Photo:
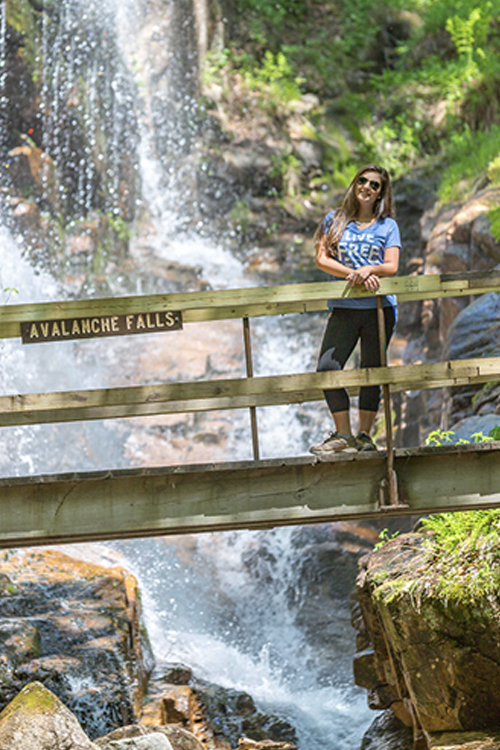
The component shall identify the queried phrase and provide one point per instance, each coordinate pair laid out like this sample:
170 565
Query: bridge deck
248 494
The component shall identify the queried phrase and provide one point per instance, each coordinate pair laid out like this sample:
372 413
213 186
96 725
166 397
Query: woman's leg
369 397
341 335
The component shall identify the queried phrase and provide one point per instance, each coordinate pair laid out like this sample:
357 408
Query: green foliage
437 12
8 291
465 555
441 437
494 217
470 156
468 33
404 101
215 62
119 226
274 77
394 144
265 21
384 537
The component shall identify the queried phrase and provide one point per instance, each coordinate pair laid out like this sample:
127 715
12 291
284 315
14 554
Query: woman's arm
325 262
370 275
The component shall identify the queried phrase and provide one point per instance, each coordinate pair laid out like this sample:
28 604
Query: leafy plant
468 33
465 553
469 156
494 217
275 77
384 537
440 437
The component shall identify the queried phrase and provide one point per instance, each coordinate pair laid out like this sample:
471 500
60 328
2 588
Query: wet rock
387 733
216 716
326 566
76 628
179 738
36 719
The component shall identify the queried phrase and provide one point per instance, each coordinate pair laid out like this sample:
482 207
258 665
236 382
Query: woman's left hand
372 283
360 275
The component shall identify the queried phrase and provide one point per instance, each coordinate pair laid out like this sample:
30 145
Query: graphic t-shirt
364 247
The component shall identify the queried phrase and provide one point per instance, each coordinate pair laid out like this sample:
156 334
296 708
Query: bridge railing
39 322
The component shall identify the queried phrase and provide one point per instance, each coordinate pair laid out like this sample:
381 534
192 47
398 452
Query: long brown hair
383 207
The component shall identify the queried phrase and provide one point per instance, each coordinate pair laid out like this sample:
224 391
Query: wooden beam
171 398
261 494
247 302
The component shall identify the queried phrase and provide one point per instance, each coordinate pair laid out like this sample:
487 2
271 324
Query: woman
359 242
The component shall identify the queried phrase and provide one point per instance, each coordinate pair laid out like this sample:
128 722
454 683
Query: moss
32 698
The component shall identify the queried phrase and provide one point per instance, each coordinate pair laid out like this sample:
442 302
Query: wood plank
261 494
247 302
38 408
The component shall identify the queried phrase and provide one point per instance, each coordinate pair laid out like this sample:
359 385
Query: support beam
261 494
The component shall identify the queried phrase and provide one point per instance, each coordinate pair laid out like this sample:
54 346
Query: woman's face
368 188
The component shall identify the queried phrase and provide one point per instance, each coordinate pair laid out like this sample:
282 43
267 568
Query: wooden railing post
249 365
389 488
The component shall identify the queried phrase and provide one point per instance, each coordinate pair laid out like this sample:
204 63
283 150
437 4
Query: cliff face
434 663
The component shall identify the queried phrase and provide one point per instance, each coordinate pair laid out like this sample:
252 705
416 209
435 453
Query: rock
464 741
36 719
154 741
75 627
216 716
435 660
387 733
179 738
470 425
247 744
476 331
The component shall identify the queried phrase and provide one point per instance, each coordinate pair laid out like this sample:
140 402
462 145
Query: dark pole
249 364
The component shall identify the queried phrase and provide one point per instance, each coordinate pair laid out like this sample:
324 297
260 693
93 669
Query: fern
469 33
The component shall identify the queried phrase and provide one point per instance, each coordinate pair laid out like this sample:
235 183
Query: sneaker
364 442
335 443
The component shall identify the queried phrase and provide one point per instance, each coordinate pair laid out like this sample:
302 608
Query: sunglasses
373 183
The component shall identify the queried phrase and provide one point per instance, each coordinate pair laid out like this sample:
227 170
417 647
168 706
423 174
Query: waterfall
119 108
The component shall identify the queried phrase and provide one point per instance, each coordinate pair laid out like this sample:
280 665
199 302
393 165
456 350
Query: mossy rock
36 719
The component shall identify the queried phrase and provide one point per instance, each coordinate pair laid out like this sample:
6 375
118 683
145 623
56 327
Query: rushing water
202 605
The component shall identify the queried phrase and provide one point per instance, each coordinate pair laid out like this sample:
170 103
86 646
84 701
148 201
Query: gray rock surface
153 741
37 720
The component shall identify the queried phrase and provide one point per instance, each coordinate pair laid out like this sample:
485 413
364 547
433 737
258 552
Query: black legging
345 326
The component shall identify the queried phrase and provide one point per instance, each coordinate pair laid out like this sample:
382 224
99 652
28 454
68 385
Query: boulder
217 717
178 737
387 732
153 741
435 663
75 627
36 719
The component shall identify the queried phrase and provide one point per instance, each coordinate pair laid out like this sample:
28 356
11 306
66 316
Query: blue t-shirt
364 247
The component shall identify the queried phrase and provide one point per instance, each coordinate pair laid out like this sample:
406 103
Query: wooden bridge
251 494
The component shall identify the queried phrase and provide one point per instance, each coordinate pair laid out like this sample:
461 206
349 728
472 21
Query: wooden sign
36 332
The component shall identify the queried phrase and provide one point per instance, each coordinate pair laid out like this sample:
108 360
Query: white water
202 608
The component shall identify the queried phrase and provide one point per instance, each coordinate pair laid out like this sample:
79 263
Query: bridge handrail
248 302
234 393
